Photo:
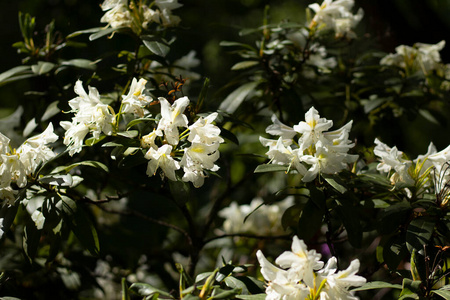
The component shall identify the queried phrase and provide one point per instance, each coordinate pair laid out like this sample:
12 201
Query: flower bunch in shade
255 218
419 59
336 15
302 275
17 165
317 150
194 150
120 13
407 173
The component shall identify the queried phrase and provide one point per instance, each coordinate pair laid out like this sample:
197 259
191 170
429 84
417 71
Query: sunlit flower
203 131
91 115
161 158
172 117
117 14
135 101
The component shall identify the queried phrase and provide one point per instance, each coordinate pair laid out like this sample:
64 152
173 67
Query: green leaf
144 289
234 100
8 214
229 136
129 133
252 297
57 180
443 293
393 217
271 168
14 71
253 285
236 44
84 230
310 220
52 110
336 182
138 121
90 30
224 294
349 215
181 191
31 239
419 233
409 289
89 163
157 48
42 67
80 63
394 251
102 32
92 140
377 285
428 116
244 65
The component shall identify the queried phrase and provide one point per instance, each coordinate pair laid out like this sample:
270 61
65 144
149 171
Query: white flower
337 285
168 4
117 15
337 16
12 169
391 158
91 115
161 158
8 195
74 136
4 144
34 151
421 57
302 263
279 285
38 218
135 101
203 131
312 128
280 129
196 158
172 117
148 140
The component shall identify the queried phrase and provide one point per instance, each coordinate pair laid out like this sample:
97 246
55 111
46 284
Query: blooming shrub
160 183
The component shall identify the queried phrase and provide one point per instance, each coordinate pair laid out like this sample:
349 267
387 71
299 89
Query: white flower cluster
391 159
320 150
199 156
91 115
336 15
94 116
420 58
263 219
17 164
303 276
118 13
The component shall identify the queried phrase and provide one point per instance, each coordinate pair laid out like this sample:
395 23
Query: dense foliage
129 174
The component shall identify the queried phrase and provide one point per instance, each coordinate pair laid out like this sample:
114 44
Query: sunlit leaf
157 48
376 285
234 100
271 168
